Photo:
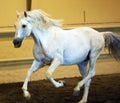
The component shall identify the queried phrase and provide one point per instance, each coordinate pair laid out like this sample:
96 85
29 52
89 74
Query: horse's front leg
35 66
56 62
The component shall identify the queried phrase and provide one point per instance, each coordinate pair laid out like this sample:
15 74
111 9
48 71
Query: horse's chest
42 56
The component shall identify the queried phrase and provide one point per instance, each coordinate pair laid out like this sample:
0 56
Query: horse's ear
18 14
25 13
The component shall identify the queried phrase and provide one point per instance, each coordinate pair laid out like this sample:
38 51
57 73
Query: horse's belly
70 58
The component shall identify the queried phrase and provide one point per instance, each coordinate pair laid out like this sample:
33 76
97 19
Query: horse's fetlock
24 89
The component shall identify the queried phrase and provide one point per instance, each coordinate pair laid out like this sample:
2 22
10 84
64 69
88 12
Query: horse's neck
41 37
35 38
38 42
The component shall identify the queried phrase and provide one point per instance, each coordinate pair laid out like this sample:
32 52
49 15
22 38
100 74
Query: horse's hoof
62 82
76 93
27 95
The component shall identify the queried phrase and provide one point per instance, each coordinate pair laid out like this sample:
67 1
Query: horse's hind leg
83 70
86 80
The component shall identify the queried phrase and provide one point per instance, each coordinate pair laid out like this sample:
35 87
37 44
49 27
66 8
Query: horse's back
88 34
95 38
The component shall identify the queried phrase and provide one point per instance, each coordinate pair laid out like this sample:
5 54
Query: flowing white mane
42 19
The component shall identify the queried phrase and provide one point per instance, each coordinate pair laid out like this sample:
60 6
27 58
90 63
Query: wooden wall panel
81 11
72 11
8 10
69 10
102 11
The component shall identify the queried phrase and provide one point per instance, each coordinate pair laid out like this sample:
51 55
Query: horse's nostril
16 42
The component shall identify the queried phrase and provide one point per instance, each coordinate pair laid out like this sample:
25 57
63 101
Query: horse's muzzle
17 42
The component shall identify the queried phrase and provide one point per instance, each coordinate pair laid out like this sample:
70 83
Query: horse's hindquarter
79 42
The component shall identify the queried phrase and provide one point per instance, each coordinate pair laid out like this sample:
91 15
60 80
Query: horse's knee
92 74
48 74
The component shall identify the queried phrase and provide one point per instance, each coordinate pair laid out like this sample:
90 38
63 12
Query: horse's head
28 21
23 29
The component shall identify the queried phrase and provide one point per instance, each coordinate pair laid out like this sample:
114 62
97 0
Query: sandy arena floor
18 73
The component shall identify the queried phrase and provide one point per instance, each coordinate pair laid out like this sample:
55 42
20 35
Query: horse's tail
112 43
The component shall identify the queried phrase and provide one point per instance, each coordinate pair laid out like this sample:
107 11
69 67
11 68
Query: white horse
56 47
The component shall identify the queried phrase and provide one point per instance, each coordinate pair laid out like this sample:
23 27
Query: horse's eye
23 26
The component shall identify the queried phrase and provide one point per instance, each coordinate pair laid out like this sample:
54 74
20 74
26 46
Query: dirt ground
105 86
104 89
